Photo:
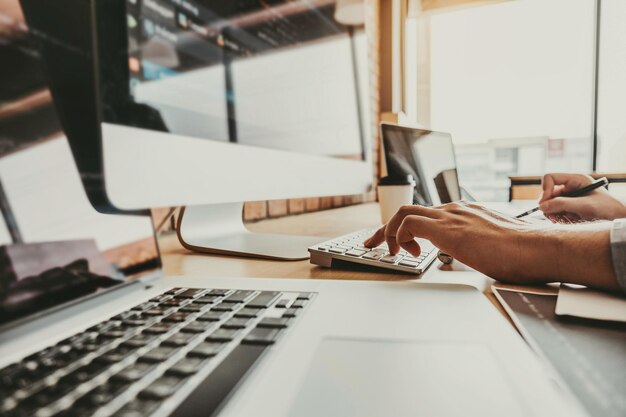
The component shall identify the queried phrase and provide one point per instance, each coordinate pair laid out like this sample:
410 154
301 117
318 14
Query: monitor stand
219 229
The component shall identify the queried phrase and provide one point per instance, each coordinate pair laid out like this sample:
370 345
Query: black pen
601 182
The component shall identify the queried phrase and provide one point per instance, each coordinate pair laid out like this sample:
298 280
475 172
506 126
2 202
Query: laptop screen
55 248
426 155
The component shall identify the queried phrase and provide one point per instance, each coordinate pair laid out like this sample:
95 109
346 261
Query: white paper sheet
590 304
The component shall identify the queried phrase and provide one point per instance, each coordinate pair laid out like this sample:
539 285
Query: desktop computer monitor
207 103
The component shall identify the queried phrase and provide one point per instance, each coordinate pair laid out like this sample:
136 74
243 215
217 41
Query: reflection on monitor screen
55 247
282 74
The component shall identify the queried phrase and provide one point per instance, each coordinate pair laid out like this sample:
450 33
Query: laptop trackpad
351 377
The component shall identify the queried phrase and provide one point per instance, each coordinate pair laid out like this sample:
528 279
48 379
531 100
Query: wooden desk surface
329 223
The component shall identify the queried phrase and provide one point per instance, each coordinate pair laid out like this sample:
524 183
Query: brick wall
258 210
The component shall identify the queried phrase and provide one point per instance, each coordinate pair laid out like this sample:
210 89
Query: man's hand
597 205
508 249
11 19
485 240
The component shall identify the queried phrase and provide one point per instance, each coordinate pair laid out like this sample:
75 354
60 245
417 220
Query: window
512 82
612 88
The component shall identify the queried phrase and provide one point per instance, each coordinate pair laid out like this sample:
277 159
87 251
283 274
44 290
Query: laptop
426 155
90 326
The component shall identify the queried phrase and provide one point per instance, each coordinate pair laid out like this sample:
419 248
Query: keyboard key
323 247
177 317
160 298
408 263
391 259
193 308
264 299
175 302
159 328
134 322
196 327
145 306
299 304
134 372
98 328
261 336
179 339
85 373
206 349
291 312
95 339
114 334
157 311
238 296
191 293
15 377
207 299
337 250
140 340
138 408
373 255
56 357
219 292
117 354
283 303
48 395
222 335
79 408
187 366
223 307
130 314
211 316
162 388
159 354
102 395
355 252
236 323
305 296
248 313
274 322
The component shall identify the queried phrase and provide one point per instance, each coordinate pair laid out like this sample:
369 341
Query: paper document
590 304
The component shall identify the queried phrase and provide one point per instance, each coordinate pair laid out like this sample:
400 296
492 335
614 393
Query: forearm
577 255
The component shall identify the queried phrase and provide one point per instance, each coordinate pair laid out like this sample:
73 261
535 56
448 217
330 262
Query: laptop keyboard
196 342
350 248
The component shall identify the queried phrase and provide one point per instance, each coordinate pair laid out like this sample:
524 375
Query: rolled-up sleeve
618 251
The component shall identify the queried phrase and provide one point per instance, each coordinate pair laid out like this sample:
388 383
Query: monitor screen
55 248
280 74
426 155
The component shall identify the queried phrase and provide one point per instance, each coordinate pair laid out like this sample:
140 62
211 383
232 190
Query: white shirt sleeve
618 251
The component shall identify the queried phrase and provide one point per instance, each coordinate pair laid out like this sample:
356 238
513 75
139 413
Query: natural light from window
513 84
